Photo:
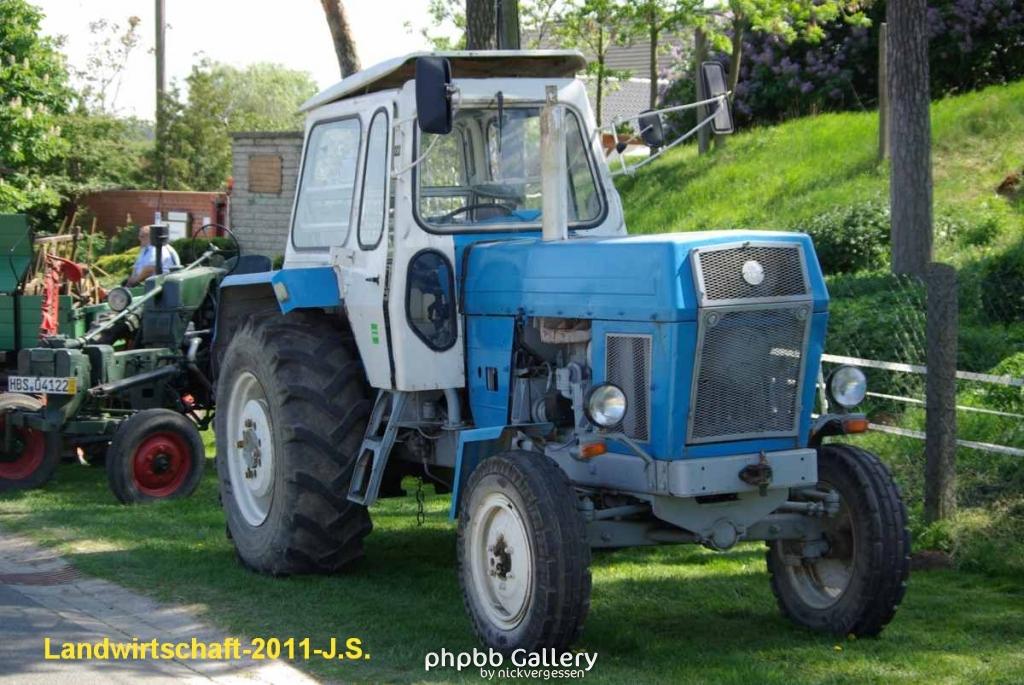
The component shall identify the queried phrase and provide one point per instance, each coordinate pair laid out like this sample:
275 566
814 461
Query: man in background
145 264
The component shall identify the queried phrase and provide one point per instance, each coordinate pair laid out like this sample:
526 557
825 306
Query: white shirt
147 257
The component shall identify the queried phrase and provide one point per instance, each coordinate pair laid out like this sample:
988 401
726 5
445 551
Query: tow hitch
758 475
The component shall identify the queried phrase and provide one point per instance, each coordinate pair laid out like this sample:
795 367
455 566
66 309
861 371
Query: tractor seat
249 264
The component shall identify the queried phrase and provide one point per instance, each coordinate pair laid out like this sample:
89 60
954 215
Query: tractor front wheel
854 584
155 454
292 406
524 561
33 456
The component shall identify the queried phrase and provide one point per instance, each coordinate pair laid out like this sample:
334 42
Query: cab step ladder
377 443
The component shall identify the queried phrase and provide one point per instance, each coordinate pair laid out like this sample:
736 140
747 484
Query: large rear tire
859 582
524 561
292 406
34 455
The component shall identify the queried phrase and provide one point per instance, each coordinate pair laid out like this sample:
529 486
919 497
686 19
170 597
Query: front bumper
631 473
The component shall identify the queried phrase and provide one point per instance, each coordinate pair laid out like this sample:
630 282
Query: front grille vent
628 365
748 378
775 271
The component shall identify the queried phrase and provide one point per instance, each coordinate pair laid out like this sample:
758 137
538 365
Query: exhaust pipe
554 171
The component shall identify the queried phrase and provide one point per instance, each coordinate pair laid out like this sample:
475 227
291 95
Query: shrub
1005 397
972 44
1002 285
190 249
124 238
849 239
117 266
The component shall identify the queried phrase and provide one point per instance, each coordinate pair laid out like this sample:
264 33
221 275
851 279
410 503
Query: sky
289 32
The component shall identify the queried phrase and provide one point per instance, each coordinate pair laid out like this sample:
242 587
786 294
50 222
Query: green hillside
782 177
821 174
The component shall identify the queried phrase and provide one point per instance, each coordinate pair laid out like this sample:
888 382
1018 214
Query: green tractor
134 388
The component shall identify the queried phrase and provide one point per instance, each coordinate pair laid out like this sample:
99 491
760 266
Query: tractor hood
638 278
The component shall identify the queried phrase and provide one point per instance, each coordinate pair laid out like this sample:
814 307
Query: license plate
42 384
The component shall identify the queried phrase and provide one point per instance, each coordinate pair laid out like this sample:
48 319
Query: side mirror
433 95
715 84
650 129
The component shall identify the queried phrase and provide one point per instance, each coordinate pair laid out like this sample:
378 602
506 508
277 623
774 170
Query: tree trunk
910 178
509 24
654 62
341 33
599 96
883 96
700 53
481 32
738 29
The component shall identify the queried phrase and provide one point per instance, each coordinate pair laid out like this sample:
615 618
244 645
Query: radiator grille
721 272
628 365
748 378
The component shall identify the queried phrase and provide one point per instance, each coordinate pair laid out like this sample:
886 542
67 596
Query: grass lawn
671 614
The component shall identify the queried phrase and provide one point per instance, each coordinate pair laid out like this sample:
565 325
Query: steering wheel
509 211
226 230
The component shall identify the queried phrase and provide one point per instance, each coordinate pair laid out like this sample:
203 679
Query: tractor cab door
363 267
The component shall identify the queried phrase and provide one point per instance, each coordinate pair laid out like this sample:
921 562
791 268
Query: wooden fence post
941 326
883 94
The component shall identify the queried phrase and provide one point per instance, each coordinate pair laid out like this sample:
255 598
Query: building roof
621 98
393 73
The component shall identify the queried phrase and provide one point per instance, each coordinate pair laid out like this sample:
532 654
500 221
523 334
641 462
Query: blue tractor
460 301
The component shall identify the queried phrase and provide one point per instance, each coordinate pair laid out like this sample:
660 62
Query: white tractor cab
460 302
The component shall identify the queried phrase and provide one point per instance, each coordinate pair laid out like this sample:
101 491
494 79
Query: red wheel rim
30 458
161 464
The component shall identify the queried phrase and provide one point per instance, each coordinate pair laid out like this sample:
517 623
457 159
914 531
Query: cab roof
394 72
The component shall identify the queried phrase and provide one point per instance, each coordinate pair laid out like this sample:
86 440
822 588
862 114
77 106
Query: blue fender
312 288
475 445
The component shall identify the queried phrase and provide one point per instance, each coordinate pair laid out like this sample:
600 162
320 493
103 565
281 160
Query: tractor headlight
119 298
606 405
847 386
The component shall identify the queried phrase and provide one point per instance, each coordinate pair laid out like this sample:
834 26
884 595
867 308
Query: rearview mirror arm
700 124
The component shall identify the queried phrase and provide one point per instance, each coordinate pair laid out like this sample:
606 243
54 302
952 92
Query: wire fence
877 323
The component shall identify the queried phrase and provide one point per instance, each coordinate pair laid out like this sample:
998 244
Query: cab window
504 189
374 210
324 208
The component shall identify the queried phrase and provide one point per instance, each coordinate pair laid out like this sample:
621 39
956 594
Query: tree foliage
33 93
223 99
104 151
652 19
728 22
595 26
98 81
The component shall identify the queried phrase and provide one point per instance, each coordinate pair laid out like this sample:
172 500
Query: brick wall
259 216
114 209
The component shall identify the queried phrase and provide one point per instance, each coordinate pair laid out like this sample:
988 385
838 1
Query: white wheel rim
501 561
822 582
250 449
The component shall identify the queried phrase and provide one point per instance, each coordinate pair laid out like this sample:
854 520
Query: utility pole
161 84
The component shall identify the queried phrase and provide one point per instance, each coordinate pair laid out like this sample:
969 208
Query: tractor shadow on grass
656 613
720 611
